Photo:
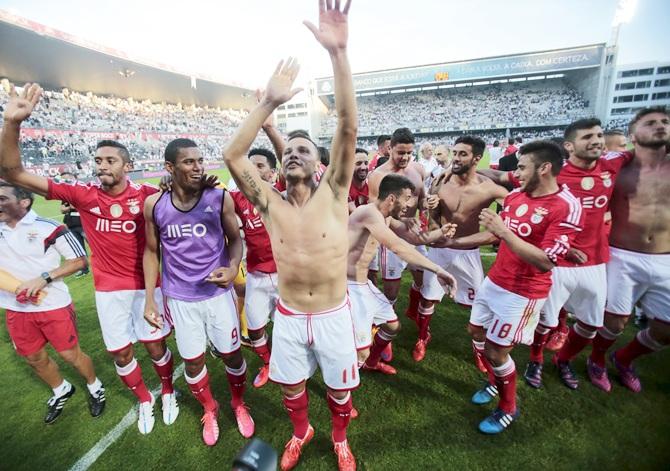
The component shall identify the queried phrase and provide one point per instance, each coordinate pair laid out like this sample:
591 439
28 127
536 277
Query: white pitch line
105 442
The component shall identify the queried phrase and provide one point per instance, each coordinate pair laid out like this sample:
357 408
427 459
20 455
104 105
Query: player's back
310 247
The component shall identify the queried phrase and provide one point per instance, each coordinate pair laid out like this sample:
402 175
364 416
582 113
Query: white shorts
301 341
121 317
392 266
633 277
374 263
368 306
581 290
194 322
260 299
508 318
464 265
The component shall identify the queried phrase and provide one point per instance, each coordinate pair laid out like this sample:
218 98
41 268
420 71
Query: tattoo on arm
255 189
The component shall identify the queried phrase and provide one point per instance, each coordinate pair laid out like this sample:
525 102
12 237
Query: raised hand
492 222
278 90
20 106
333 29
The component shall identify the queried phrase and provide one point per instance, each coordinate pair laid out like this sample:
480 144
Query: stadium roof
32 52
538 62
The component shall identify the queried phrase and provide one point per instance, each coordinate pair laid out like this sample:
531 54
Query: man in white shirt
39 307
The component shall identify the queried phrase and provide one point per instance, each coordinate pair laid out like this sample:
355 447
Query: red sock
603 340
578 338
537 347
236 381
505 377
478 348
379 343
423 320
414 298
297 411
562 320
642 344
164 368
131 375
200 388
262 348
340 413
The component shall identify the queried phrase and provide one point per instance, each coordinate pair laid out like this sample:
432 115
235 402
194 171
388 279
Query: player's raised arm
332 34
18 109
151 263
271 131
277 92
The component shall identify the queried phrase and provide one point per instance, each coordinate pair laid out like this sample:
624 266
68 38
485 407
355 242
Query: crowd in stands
473 107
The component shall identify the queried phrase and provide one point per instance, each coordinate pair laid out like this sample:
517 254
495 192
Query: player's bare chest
463 200
644 186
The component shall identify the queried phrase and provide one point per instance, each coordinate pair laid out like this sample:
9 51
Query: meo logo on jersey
186 230
521 228
105 225
590 202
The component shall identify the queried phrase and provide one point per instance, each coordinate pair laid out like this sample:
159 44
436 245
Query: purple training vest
193 245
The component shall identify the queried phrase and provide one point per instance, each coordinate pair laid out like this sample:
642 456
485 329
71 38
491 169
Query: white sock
64 388
95 386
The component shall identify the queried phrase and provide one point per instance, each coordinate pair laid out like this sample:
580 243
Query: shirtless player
313 324
462 195
370 225
639 266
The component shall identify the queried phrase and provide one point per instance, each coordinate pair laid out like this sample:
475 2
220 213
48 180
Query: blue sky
241 41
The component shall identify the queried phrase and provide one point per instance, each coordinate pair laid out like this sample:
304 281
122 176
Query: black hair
324 155
174 146
518 139
394 184
615 132
382 139
559 141
360 150
123 150
510 141
644 112
268 154
478 145
496 143
585 123
20 193
402 136
544 151
303 134
381 161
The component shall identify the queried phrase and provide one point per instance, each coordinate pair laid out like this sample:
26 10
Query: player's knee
292 390
156 350
477 333
660 332
71 355
256 334
363 355
195 367
38 360
495 355
123 357
426 304
338 394
233 360
391 328
615 324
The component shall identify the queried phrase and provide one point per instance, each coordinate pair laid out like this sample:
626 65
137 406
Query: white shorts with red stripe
634 277
121 317
581 290
464 265
368 306
508 318
392 266
302 341
194 322
260 298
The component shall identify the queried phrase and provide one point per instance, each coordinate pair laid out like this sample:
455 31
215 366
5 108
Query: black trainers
533 374
96 402
566 373
55 405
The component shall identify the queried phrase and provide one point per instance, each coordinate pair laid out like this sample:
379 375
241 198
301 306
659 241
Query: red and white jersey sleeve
593 187
114 227
550 223
259 248
359 196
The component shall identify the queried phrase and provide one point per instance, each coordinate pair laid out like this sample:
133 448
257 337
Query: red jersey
359 196
373 162
114 227
259 249
594 189
548 222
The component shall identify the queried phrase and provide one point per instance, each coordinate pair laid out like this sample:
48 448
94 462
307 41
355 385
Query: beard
462 170
532 184
652 143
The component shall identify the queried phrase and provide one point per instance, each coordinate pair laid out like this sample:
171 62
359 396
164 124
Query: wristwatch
46 277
